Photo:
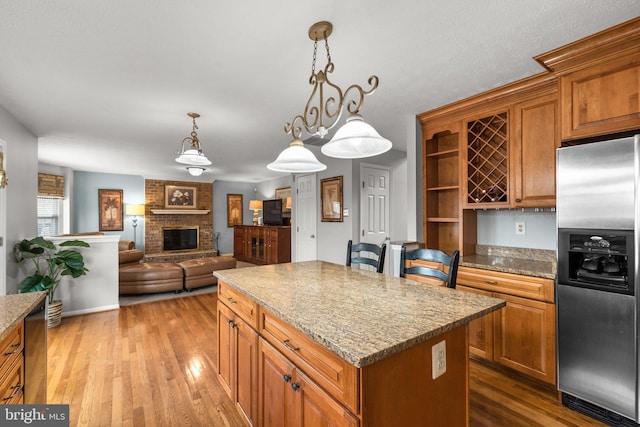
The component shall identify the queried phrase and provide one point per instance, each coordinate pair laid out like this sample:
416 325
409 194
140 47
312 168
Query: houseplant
51 264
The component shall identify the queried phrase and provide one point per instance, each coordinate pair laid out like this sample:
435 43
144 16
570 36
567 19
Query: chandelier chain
313 63
326 45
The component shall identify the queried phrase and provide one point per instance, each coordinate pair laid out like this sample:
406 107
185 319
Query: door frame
3 227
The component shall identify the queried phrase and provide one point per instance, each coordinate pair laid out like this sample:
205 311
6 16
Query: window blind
49 209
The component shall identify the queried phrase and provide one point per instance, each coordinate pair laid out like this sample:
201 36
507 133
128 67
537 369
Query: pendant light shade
356 139
195 170
296 159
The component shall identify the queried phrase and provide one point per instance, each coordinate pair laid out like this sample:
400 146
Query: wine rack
488 160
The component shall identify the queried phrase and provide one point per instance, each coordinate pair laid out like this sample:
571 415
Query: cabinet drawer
12 384
240 304
10 346
513 284
335 375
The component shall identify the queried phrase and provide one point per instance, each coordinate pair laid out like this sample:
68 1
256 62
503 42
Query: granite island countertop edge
16 307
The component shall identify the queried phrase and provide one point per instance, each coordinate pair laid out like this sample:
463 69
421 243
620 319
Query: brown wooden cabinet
522 334
12 366
289 398
533 151
494 150
599 81
238 351
262 244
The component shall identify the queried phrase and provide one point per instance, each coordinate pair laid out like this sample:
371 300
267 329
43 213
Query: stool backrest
430 263
375 259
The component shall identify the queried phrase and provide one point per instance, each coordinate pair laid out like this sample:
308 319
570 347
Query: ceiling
106 85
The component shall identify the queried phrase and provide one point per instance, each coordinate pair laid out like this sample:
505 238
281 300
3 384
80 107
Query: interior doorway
306 218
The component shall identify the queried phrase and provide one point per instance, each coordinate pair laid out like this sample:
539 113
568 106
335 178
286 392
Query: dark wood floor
153 364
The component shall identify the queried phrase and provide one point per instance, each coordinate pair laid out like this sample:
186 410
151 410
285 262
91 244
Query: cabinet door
601 99
238 242
271 239
480 330
318 409
246 370
226 349
275 376
533 152
524 337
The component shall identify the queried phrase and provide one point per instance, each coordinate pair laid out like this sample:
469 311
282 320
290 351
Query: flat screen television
272 212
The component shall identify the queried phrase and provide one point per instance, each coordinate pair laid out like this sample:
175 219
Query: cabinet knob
286 378
518 200
295 386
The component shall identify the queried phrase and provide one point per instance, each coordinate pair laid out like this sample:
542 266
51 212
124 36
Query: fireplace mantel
180 211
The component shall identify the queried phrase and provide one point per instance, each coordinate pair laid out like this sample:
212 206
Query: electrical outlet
521 228
438 359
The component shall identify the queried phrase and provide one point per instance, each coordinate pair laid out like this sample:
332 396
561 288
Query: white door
305 222
374 206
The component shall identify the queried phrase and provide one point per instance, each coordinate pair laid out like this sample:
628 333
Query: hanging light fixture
192 155
356 139
195 170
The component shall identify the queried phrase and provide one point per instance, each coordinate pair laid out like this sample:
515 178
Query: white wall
22 170
497 228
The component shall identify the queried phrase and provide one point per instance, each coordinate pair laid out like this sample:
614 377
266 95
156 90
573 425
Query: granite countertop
13 308
528 262
361 316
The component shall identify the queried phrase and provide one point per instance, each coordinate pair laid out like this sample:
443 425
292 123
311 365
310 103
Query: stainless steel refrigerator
597 286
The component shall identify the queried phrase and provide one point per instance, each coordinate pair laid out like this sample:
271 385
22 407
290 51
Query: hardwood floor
153 364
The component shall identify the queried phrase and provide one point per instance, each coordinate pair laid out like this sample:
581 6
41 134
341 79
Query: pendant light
193 155
323 110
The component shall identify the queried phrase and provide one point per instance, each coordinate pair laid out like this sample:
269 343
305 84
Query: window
49 212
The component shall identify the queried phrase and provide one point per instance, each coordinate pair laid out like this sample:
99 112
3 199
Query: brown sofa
136 277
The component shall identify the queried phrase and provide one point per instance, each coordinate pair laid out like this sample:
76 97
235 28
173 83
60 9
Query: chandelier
323 110
190 152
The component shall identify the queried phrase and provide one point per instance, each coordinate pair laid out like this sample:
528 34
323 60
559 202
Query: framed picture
180 197
110 210
283 194
331 199
234 209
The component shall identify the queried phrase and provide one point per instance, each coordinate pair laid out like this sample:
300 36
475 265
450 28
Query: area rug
125 300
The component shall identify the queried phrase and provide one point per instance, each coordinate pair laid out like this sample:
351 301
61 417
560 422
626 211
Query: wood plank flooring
153 364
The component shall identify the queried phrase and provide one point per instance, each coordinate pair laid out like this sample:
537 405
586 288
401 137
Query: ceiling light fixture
193 155
356 139
195 170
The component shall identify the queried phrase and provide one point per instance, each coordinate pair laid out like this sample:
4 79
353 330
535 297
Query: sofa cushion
150 277
124 245
198 272
132 256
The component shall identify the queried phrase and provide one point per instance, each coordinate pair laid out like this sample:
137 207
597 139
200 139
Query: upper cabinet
599 81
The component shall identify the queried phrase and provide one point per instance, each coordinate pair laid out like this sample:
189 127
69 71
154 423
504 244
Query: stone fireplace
163 219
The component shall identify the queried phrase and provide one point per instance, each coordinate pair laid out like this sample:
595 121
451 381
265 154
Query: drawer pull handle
230 322
231 301
287 344
18 390
16 347
491 282
286 378
295 386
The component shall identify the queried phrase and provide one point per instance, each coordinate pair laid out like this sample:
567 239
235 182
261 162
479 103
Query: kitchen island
311 341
